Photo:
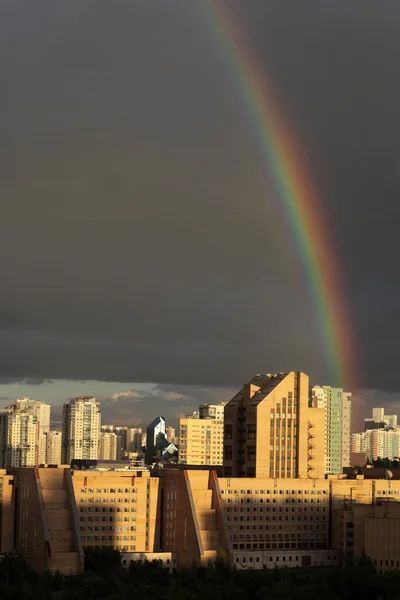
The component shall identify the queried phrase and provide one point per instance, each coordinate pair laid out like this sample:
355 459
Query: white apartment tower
22 427
81 422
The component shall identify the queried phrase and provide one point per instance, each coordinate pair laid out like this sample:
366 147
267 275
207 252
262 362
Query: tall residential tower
270 431
337 405
80 429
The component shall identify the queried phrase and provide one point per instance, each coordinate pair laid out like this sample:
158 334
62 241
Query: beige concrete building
46 522
268 523
270 431
212 411
201 436
120 509
51 514
51 448
108 446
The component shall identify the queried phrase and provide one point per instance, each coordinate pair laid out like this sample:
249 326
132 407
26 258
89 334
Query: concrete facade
108 446
120 509
51 514
45 525
270 430
200 440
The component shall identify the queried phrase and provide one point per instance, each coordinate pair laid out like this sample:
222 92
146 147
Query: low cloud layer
138 408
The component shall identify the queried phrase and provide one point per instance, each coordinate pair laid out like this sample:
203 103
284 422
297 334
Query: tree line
106 578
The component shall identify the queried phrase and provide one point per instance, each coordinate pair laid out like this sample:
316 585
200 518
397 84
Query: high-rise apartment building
80 429
377 443
337 406
108 446
22 426
212 411
270 430
50 448
201 436
129 439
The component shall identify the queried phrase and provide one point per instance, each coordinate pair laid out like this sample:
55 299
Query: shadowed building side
46 529
194 526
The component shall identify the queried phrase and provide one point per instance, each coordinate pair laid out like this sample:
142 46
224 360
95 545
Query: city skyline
138 404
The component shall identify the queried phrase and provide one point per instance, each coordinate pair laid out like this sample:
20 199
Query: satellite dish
388 474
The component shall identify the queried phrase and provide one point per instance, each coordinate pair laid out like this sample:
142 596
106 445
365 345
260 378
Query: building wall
31 530
272 514
194 525
7 512
46 527
286 559
180 532
119 509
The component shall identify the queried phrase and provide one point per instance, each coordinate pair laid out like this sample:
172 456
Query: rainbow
300 203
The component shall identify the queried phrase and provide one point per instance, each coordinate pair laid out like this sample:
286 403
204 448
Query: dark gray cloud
140 234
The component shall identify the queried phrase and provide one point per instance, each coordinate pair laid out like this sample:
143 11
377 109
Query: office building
22 426
270 430
108 446
201 436
260 523
156 440
337 406
80 429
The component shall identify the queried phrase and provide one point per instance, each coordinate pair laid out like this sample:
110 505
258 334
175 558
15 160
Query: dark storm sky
140 236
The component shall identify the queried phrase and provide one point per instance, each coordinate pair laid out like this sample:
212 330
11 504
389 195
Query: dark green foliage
106 579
